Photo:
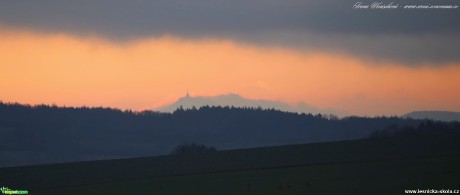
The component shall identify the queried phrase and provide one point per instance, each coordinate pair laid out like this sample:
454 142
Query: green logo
6 190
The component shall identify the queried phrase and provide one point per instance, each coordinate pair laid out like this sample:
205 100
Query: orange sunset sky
63 66
148 73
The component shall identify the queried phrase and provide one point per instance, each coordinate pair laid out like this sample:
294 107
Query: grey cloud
255 21
413 50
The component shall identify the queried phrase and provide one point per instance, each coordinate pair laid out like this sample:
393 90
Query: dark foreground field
375 166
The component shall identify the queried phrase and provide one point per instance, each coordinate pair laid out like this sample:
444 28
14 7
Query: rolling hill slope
270 166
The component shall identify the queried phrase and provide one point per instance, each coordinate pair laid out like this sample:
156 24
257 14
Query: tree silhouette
192 149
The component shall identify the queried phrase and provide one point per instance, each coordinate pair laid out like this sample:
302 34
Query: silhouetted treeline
43 134
427 128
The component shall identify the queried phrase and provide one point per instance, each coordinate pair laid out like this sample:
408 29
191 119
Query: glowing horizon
151 72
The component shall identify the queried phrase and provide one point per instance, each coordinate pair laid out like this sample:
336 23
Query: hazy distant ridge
434 115
236 100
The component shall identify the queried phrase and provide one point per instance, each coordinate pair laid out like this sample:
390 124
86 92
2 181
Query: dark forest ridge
44 134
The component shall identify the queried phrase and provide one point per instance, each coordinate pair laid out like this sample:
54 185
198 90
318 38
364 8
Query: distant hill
236 100
434 115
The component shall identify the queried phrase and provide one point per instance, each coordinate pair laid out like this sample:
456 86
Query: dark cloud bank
411 36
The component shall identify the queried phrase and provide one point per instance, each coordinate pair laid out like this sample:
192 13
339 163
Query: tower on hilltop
187 95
